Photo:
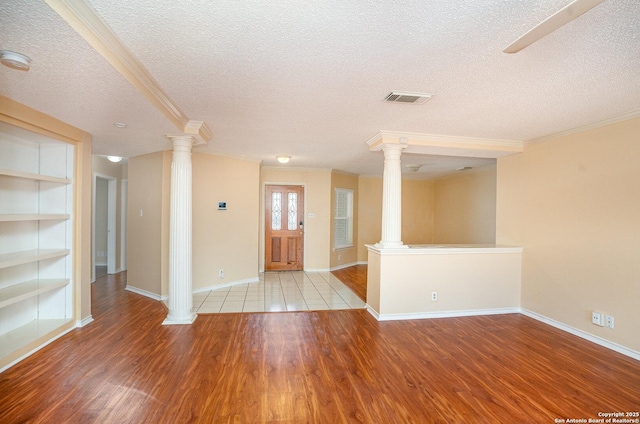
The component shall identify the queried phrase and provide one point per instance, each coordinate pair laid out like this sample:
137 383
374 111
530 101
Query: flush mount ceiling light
283 159
115 159
120 125
14 60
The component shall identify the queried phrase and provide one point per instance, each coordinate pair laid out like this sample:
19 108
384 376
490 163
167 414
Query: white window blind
343 219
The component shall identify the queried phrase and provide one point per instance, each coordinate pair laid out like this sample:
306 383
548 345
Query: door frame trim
263 229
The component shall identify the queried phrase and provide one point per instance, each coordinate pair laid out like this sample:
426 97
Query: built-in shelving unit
36 240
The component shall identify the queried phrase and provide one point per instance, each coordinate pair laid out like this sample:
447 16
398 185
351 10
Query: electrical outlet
609 321
221 273
597 318
434 296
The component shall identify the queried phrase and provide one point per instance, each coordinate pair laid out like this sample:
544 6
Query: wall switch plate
597 318
609 321
221 273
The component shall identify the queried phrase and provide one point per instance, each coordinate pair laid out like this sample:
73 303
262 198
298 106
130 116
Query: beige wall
417 212
144 236
465 207
317 182
225 239
83 182
573 203
369 214
346 256
467 281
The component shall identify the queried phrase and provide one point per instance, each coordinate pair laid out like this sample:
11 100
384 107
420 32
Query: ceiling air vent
406 97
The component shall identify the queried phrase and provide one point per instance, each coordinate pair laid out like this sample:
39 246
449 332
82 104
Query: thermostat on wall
222 206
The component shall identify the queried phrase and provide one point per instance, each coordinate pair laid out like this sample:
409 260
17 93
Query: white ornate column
180 263
392 197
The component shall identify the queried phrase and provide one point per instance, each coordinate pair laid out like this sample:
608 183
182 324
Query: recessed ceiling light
14 60
115 159
283 159
120 125
464 168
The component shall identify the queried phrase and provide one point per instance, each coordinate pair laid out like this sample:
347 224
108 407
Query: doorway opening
103 243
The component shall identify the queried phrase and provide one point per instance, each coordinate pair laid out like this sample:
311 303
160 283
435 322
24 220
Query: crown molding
86 22
582 128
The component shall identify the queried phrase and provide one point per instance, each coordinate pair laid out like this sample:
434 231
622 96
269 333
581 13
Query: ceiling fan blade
552 23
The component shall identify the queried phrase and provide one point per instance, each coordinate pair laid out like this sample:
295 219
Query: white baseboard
583 334
335 268
229 284
143 292
372 312
445 314
84 321
580 333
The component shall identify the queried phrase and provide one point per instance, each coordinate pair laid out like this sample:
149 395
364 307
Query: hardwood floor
354 277
317 367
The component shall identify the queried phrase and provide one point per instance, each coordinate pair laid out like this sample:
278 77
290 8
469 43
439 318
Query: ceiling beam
433 144
86 22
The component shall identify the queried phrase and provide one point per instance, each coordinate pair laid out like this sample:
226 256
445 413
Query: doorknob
301 225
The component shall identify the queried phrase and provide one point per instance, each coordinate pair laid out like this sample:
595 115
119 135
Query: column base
391 245
169 320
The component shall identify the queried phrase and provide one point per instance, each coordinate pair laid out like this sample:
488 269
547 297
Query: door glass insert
293 211
276 211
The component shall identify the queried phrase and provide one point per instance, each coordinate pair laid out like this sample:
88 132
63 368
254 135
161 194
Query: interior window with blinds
343 219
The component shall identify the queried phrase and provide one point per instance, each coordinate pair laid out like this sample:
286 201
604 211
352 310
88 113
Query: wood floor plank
354 277
316 367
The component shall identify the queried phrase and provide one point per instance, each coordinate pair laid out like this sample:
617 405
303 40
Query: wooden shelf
28 256
34 217
28 333
32 176
21 291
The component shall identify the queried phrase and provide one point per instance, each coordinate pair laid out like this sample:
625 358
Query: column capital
392 150
182 140
393 146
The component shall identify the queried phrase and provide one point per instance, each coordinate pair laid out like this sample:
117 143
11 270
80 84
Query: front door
284 228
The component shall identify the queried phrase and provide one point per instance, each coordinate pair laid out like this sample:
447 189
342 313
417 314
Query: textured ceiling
308 79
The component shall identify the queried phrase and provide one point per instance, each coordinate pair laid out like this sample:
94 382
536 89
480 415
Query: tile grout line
302 279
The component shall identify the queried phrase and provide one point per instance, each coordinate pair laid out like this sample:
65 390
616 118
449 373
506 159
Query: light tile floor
280 292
